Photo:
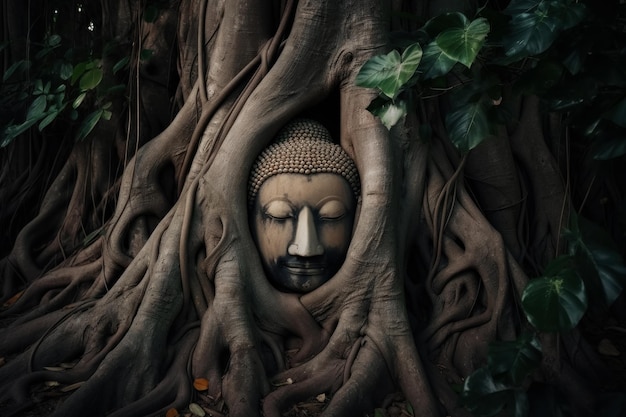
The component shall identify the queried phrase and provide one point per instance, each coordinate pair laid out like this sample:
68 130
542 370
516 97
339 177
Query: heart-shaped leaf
555 303
389 73
462 44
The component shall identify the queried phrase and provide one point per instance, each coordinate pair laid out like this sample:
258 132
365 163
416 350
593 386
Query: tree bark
172 289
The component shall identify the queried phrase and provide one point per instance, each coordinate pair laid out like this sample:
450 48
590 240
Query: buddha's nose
306 242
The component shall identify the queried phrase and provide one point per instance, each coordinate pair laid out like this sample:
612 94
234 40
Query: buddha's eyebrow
326 199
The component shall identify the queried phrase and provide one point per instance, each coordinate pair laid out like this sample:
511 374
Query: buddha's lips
304 268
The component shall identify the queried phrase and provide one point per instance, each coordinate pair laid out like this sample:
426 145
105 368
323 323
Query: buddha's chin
301 279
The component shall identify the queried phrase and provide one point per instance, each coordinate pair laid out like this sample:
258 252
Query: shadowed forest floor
607 336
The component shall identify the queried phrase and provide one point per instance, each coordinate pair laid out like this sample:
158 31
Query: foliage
598 260
554 302
570 54
55 91
565 51
61 82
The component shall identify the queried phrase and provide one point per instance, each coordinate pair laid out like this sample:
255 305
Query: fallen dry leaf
201 384
172 412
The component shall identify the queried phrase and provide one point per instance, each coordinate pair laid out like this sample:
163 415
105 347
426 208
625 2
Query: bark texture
172 289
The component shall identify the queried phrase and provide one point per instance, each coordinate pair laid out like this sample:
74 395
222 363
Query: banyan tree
130 278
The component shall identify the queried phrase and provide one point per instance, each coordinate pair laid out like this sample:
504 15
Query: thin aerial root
351 358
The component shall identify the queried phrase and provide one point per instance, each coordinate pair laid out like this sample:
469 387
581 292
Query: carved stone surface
303 193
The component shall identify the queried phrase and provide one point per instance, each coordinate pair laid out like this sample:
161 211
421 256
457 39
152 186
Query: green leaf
38 87
122 63
37 108
555 303
48 119
610 149
88 124
516 358
483 395
18 67
601 265
389 73
529 34
566 14
91 79
617 114
468 125
389 112
612 272
434 62
13 131
79 70
54 40
66 70
79 100
463 44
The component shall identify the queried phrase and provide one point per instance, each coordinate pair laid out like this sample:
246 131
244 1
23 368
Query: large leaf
91 79
463 43
19 67
435 62
556 302
602 267
389 73
610 149
530 34
88 124
66 70
566 14
535 24
468 125
517 358
617 114
483 395
37 108
13 131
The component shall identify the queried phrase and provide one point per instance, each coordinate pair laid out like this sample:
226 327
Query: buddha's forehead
311 190
302 147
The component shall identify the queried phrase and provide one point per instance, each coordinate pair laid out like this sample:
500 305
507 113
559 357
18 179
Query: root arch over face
173 289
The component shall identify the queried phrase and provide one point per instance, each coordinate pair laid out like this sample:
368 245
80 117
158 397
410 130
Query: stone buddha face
302 226
303 194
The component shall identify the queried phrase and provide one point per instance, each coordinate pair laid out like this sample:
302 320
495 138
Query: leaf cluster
586 280
568 52
59 85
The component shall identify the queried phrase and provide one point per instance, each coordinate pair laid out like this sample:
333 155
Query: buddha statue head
302 196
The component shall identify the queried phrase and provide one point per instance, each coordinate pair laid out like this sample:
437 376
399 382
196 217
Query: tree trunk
172 290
